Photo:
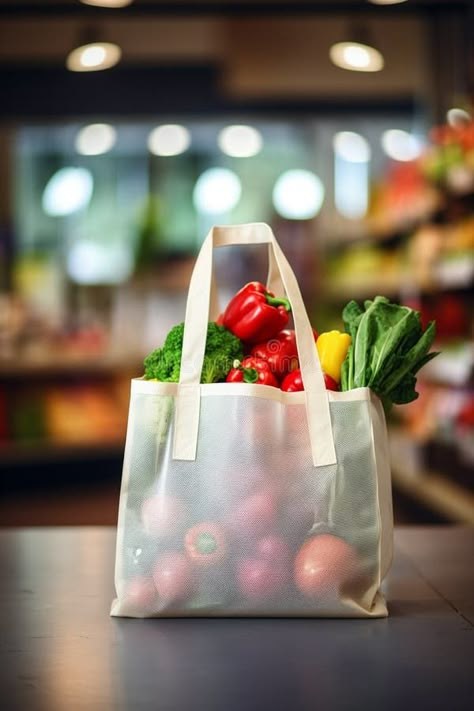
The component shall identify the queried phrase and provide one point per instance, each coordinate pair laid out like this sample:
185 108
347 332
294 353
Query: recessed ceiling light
298 195
386 2
67 191
356 57
217 191
401 145
351 146
95 139
93 57
240 141
107 3
169 140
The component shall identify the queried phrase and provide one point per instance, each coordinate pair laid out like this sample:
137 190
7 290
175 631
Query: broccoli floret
222 348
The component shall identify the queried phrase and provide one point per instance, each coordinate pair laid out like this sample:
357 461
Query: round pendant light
93 57
357 51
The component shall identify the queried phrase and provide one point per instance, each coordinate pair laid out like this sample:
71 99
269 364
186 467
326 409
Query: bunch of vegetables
243 549
383 347
250 344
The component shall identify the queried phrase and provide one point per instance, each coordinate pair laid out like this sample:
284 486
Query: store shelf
41 452
438 492
58 365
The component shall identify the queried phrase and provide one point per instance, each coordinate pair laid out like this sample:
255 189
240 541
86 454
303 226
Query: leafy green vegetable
222 348
388 348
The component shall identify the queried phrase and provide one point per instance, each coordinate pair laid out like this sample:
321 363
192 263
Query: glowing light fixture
89 262
92 56
458 117
357 51
356 57
352 147
386 2
217 191
108 3
95 139
401 145
240 141
169 140
67 191
298 195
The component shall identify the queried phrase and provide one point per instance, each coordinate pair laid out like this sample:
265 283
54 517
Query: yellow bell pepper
332 349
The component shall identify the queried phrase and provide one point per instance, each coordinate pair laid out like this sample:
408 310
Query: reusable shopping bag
288 494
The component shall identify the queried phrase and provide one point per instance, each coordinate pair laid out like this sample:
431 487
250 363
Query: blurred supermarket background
360 155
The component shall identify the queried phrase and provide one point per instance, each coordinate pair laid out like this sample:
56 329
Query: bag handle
194 344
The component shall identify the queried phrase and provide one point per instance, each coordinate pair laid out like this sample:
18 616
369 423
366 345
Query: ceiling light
357 51
89 262
458 117
298 195
217 191
169 140
356 56
67 191
401 145
386 2
95 139
240 141
351 146
93 57
107 3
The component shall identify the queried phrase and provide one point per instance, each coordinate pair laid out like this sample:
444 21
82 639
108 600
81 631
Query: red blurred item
465 417
294 383
252 370
280 352
254 314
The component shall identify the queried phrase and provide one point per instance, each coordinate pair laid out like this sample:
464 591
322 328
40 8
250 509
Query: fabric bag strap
194 343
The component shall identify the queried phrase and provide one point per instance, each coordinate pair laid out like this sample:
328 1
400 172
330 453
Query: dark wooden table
61 650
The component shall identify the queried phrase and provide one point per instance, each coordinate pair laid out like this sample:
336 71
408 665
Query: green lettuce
388 348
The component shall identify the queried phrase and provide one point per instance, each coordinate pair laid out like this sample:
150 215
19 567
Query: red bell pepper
294 382
252 370
280 352
205 544
255 314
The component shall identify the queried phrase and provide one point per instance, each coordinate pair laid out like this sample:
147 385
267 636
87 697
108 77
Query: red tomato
140 594
254 515
173 577
258 578
205 544
163 515
323 564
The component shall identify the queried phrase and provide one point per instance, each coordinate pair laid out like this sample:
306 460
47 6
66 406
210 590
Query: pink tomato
274 548
254 515
139 594
323 564
258 578
173 577
163 515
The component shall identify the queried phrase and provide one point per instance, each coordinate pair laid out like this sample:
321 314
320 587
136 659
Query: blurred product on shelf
419 249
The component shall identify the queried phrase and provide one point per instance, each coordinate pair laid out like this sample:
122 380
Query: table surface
61 650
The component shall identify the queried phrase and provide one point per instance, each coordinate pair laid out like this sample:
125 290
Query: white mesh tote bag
240 499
